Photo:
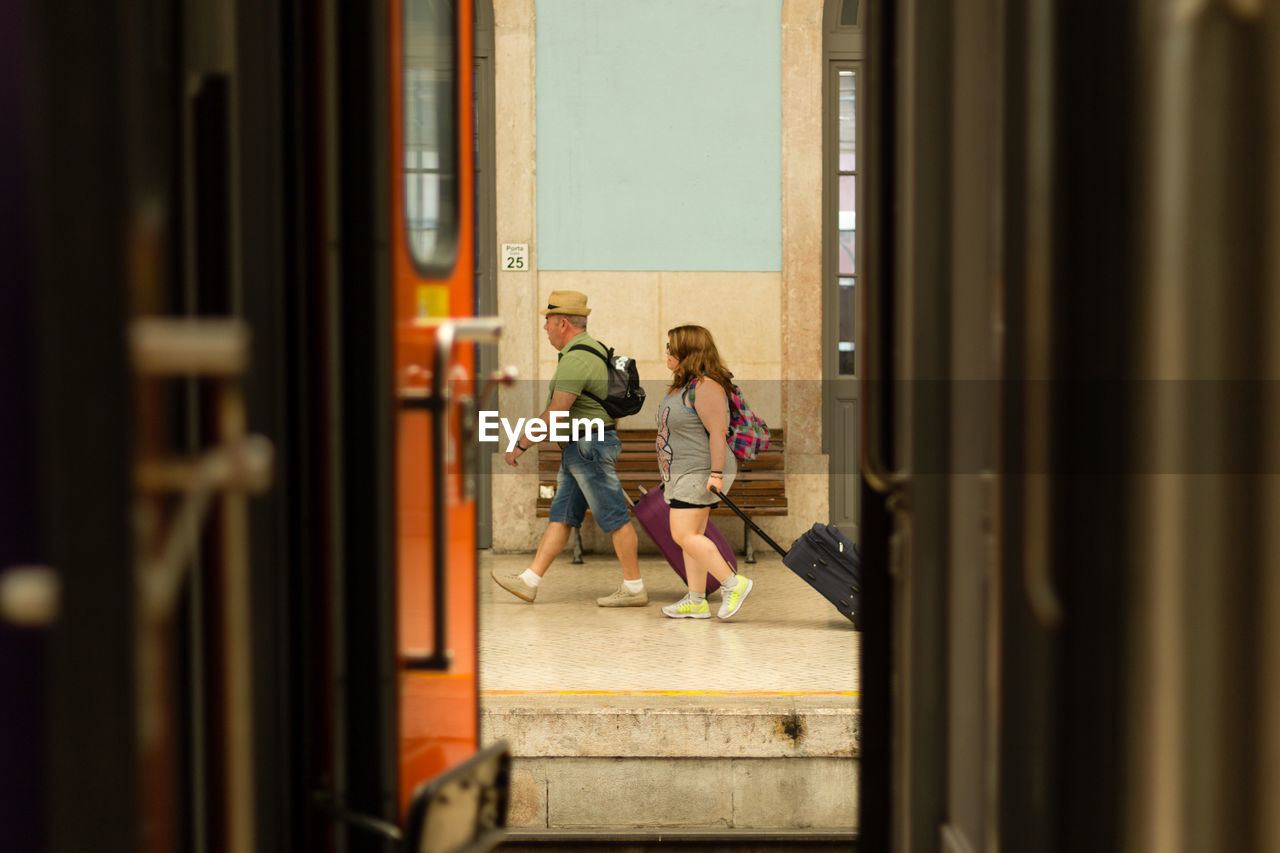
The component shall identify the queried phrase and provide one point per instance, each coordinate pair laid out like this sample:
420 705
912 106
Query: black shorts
675 504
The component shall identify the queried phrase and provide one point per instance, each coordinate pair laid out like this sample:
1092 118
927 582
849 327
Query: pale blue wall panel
659 129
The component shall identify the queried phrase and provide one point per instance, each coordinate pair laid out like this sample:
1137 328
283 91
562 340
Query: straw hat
566 302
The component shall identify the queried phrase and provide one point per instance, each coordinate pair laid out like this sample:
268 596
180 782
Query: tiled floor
786 639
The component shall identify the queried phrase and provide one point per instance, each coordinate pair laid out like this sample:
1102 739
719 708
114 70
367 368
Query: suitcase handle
752 524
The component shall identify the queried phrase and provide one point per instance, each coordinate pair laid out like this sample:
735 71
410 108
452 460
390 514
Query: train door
928 442
209 333
432 219
69 774
130 197
1002 253
907 352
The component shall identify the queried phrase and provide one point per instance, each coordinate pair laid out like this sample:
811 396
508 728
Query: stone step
681 841
611 762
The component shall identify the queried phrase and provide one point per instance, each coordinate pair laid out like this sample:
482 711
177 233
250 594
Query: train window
431 133
847 217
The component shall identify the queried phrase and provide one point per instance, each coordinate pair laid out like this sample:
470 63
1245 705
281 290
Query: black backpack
625 396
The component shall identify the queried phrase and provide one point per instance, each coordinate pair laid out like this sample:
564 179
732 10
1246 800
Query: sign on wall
515 257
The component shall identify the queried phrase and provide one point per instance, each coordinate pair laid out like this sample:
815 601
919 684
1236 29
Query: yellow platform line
670 693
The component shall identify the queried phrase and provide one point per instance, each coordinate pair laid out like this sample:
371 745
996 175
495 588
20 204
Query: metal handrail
216 349
1037 578
241 466
878 474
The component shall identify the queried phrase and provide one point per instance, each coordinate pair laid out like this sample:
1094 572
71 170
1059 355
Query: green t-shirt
581 371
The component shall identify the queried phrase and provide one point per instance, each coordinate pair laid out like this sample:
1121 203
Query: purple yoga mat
655 517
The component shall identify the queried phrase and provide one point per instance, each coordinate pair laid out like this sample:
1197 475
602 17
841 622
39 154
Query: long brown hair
696 352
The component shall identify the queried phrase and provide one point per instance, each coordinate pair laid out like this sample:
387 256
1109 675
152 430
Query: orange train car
433 333
432 217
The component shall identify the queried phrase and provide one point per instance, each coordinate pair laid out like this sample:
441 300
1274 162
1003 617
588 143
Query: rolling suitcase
826 559
655 518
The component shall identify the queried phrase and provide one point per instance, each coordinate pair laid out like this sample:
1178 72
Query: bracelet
522 448
717 473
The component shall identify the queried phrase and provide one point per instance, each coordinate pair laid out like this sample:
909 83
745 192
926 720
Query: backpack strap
691 392
585 348
732 399
689 395
604 358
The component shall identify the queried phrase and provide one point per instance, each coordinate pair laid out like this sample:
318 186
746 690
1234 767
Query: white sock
729 584
530 578
695 597
633 586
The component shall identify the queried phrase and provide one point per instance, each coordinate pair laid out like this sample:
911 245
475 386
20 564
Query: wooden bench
759 489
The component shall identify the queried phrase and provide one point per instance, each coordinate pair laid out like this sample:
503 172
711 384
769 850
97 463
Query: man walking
588 475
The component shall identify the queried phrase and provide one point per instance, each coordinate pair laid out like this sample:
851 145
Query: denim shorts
589 478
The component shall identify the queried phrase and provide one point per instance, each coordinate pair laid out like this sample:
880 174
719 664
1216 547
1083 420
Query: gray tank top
684 453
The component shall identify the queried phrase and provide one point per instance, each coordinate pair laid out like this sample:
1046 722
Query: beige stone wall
514 526
802 70
632 311
768 325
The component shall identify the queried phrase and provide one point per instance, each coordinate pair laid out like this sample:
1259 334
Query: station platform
623 719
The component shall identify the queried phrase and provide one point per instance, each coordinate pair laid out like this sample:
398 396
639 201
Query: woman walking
695 461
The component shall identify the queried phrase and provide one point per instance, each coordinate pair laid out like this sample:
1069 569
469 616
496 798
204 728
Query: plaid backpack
747 434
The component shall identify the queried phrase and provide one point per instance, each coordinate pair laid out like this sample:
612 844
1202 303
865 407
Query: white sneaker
687 608
731 600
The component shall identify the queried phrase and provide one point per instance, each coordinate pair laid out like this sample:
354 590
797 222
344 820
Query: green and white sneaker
731 599
687 608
